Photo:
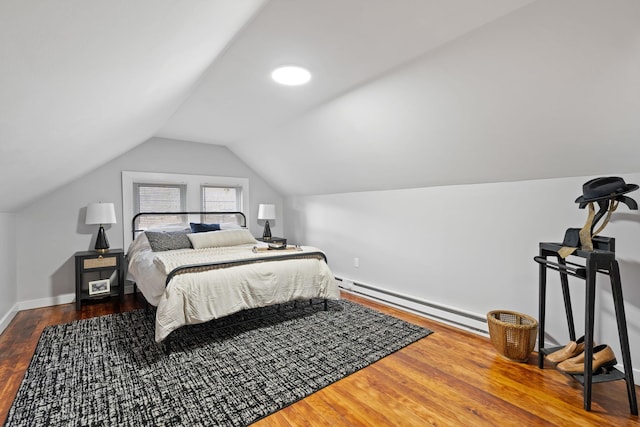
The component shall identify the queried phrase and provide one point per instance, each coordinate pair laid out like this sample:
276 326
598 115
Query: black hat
606 187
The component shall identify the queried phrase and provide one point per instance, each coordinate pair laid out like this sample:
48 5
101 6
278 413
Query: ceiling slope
345 44
551 90
405 94
82 82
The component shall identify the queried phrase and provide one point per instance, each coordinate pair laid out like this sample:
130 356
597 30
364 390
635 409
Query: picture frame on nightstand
97 287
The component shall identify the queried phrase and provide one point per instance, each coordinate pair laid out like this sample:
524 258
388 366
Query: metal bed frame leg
166 346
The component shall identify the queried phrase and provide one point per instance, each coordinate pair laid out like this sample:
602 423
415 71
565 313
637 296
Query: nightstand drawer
100 262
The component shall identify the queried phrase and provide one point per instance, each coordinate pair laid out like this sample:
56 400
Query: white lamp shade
101 213
267 212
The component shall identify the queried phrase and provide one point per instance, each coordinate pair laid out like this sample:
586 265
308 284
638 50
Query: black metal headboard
159 219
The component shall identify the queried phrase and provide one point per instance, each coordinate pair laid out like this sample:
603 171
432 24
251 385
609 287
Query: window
165 192
159 198
220 199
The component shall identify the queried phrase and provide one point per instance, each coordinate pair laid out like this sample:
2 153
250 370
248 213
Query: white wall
52 229
471 247
8 288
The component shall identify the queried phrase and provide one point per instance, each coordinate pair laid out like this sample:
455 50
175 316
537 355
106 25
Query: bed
196 267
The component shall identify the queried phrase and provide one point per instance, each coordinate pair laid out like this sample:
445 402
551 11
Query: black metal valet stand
601 260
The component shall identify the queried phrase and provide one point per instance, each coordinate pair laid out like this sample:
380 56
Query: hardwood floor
449 378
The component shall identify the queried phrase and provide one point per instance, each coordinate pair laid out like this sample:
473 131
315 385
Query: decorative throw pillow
217 239
197 227
168 240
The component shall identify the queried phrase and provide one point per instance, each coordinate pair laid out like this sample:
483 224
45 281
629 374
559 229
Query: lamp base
102 244
266 235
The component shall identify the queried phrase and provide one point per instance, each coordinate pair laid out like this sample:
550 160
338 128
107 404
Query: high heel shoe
603 357
572 349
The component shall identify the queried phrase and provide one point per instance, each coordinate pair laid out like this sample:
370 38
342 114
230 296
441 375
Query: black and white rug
108 370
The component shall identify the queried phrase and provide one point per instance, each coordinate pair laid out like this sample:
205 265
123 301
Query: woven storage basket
512 334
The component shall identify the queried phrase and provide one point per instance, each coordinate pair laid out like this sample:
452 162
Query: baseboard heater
423 303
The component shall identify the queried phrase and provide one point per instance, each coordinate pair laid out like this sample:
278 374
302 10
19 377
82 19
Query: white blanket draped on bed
198 297
169 260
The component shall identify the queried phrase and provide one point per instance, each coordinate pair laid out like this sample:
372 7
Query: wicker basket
512 334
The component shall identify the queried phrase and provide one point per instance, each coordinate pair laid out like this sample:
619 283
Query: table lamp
101 213
266 212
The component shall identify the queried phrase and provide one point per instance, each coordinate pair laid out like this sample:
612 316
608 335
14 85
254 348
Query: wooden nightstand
277 240
99 275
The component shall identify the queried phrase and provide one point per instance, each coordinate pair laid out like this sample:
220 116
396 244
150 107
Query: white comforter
198 297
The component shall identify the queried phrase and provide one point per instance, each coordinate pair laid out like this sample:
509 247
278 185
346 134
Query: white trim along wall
8 269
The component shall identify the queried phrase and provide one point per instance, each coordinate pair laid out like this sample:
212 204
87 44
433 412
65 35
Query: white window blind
159 198
220 199
162 192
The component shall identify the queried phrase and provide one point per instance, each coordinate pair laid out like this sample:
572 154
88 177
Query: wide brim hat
602 188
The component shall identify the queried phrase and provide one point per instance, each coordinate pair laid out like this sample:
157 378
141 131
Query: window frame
193 183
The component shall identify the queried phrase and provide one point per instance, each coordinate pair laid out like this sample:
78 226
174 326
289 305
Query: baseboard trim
43 302
46 302
57 300
452 316
34 303
8 317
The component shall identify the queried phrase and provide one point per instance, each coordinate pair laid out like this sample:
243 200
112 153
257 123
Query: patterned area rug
109 371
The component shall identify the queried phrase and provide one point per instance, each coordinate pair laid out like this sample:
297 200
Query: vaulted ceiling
405 93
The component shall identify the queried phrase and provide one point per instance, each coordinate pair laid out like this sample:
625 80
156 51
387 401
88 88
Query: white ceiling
345 44
549 90
82 82
405 93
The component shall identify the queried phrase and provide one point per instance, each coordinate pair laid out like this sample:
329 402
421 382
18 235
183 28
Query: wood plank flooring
450 378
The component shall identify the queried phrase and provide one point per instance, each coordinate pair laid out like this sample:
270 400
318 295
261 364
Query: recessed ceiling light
291 75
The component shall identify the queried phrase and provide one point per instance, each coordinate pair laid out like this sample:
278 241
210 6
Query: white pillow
217 239
230 226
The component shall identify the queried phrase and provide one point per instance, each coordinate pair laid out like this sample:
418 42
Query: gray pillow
168 240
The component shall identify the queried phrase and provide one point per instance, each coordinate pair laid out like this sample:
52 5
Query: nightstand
277 240
99 275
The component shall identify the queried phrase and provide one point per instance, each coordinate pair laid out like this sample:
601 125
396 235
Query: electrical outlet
356 262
